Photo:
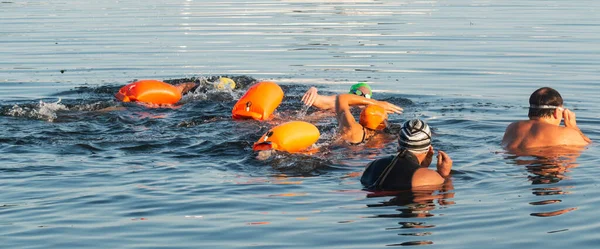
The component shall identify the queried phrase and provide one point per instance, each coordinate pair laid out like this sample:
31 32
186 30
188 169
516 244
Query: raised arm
324 102
575 136
347 100
350 130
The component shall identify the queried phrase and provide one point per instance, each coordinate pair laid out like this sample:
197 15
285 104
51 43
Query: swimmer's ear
556 112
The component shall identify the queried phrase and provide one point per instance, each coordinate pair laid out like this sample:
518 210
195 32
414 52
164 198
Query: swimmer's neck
420 157
546 120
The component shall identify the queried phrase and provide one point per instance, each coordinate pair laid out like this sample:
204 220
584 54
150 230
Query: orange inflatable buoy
259 102
149 91
293 136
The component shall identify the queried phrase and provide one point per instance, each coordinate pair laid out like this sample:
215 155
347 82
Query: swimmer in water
327 102
125 95
186 87
373 118
543 128
409 168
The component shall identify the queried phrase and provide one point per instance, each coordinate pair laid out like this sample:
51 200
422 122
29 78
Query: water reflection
548 166
412 205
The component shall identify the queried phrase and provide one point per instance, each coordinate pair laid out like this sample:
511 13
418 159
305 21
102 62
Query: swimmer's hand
264 155
444 164
310 96
389 107
569 119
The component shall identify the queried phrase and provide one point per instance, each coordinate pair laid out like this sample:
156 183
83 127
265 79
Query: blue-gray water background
72 176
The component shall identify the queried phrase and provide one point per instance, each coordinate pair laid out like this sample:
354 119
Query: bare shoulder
527 134
514 133
426 177
571 136
517 127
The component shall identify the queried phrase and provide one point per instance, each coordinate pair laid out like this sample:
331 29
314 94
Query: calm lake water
75 176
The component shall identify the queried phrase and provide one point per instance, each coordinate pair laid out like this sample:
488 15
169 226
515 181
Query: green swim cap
354 89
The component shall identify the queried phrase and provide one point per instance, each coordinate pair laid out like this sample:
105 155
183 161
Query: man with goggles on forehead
327 102
543 128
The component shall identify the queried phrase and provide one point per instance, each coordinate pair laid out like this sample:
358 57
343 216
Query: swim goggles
360 93
560 108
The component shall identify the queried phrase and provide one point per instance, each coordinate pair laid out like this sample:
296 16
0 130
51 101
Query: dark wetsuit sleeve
390 173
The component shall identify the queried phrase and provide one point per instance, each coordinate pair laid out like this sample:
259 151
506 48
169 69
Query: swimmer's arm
347 125
353 100
343 114
426 177
570 122
325 102
347 99
575 136
185 87
586 139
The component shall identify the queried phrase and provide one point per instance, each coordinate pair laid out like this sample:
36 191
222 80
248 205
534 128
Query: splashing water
43 111
303 111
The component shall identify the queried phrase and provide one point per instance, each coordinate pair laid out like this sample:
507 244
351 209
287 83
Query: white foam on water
43 111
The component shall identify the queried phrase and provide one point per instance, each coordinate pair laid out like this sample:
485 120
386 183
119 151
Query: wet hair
544 96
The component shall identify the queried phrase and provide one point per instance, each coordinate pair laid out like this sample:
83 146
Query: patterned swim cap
415 136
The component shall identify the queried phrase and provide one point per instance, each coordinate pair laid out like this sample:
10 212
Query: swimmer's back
533 134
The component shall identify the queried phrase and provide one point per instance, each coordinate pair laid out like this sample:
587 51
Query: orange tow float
293 136
259 102
149 91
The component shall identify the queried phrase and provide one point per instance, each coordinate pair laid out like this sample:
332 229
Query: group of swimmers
405 170
409 168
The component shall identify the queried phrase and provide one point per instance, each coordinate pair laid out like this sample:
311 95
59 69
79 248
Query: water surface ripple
80 170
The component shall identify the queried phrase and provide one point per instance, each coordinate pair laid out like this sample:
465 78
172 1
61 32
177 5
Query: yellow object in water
225 83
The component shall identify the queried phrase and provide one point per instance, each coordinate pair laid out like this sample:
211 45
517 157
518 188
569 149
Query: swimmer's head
543 102
361 89
415 136
373 117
